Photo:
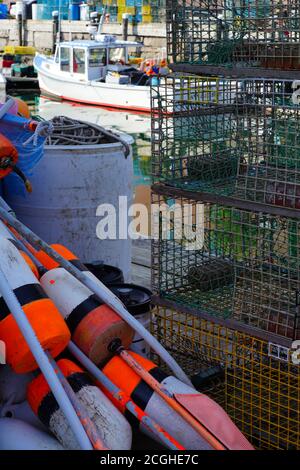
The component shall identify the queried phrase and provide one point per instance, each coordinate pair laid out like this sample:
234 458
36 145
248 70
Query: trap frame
237 138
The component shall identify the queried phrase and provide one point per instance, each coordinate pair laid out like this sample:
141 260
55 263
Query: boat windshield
78 60
97 57
116 55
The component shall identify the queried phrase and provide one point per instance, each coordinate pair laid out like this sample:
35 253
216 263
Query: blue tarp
14 128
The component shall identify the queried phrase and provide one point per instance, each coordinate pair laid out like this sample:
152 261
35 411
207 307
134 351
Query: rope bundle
67 131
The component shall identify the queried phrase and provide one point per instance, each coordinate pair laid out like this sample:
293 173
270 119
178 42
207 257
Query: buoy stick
6 107
101 291
120 396
168 398
81 412
27 248
6 206
43 363
117 394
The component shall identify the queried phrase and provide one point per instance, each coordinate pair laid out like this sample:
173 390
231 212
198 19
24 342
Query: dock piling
20 28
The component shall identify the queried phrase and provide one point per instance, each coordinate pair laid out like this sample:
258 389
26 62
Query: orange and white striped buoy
144 396
41 312
93 324
49 263
111 425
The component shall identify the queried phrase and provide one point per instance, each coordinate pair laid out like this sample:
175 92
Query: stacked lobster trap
226 201
241 34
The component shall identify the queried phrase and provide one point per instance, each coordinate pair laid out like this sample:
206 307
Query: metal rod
229 201
20 28
6 107
125 24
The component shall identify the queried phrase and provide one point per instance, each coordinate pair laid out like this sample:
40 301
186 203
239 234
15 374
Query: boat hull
96 93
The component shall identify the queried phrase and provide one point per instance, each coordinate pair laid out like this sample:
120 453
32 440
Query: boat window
65 59
97 57
78 60
116 54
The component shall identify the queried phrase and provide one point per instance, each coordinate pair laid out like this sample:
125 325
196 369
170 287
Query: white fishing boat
95 72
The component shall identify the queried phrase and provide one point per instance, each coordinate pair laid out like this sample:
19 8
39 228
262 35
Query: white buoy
13 386
113 428
17 435
23 412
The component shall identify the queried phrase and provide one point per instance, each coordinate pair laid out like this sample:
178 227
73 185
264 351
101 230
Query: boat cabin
93 59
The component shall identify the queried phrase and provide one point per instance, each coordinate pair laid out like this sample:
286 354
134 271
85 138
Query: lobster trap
234 33
198 345
256 381
227 262
233 138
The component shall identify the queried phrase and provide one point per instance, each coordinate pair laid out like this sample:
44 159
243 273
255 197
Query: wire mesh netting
255 33
237 138
228 262
262 393
258 383
198 345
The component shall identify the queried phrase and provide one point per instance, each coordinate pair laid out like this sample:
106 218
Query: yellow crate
20 50
260 385
146 10
147 19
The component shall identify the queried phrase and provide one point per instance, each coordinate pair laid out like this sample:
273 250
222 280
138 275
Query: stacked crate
139 11
226 169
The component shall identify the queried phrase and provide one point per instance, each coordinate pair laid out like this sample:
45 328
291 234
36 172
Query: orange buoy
49 263
93 324
22 108
30 263
215 418
8 156
112 427
41 312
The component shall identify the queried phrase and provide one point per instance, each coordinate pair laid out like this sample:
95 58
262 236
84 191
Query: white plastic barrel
139 345
84 12
34 7
69 184
20 9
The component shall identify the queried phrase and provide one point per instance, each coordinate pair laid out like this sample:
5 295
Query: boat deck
141 263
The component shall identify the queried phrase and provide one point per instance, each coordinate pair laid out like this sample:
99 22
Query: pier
39 34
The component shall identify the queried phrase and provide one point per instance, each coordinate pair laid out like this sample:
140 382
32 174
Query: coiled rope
67 131
43 129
